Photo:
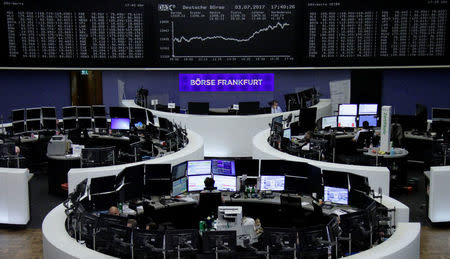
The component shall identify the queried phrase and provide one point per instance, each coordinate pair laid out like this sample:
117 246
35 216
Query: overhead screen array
223 33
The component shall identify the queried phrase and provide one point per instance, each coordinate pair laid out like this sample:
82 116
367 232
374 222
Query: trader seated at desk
305 141
365 136
275 108
113 210
210 198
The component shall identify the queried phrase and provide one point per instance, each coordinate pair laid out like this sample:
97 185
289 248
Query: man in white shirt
365 128
275 108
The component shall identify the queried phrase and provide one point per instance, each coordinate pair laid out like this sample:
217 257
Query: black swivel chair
208 203
364 139
292 214
397 135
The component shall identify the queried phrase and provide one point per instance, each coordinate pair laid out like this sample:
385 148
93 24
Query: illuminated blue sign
226 82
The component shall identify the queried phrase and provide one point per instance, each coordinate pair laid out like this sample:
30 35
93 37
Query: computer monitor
308 97
84 123
150 117
18 115
219 241
421 117
371 119
98 111
119 112
335 178
18 127
84 112
346 121
440 114
196 182
333 229
287 133
201 167
277 119
198 108
88 225
277 128
157 187
329 122
131 191
348 109
103 184
336 195
7 149
247 108
315 180
179 171
33 113
408 122
48 112
272 182
223 167
294 168
50 124
225 183
131 174
155 171
138 115
279 239
69 112
296 184
69 124
33 125
185 239
113 219
165 123
148 240
292 102
179 186
310 239
307 119
271 167
366 109
100 123
359 183
249 167
120 123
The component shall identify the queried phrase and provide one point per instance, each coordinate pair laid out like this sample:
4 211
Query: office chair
292 214
75 136
397 135
208 203
364 139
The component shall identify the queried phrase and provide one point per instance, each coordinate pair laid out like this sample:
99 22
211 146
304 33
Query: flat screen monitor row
345 121
81 117
94 111
303 99
440 114
33 113
358 109
245 108
276 175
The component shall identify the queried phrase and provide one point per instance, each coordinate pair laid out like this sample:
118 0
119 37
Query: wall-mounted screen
225 33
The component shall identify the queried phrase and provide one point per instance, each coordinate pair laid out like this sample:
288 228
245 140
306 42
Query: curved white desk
403 244
439 193
192 151
229 136
14 197
378 176
57 242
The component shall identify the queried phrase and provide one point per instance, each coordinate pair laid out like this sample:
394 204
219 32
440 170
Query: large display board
223 33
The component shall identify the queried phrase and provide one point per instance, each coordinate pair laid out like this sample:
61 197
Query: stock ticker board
223 33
